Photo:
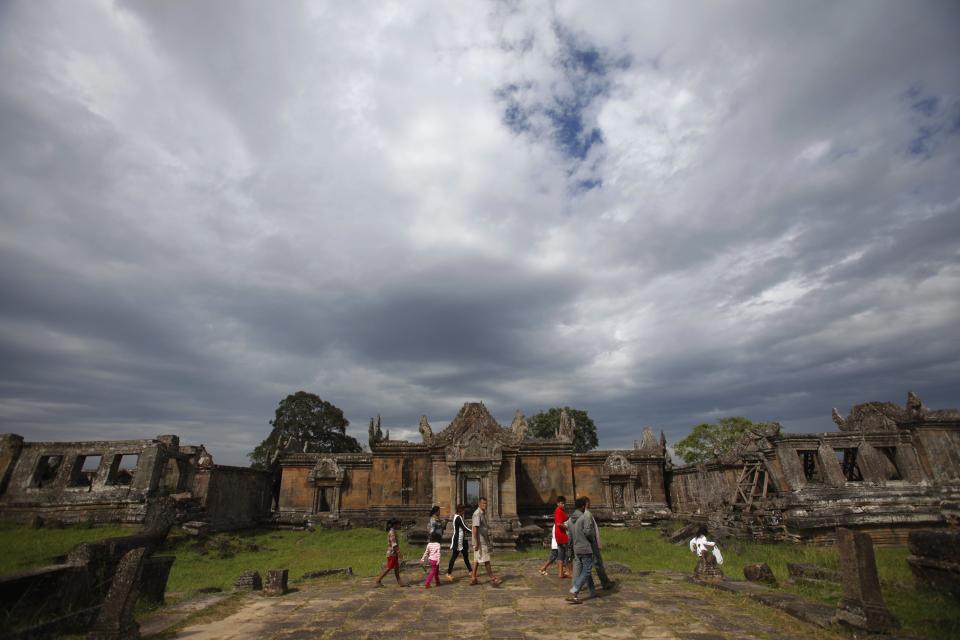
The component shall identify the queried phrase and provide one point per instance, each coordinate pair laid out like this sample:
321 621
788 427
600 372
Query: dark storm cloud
660 216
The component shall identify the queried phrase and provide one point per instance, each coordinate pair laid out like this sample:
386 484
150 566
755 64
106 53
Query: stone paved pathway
527 606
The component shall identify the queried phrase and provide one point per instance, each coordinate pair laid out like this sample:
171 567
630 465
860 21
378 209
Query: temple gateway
474 456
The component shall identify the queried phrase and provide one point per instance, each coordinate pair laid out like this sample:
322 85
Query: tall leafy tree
308 423
711 440
545 424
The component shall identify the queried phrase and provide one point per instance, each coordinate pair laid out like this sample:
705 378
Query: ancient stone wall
101 481
235 497
118 481
542 475
888 470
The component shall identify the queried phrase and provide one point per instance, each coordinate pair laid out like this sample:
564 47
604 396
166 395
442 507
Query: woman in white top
459 542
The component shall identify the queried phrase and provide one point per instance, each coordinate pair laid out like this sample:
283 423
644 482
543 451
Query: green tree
308 423
546 423
711 440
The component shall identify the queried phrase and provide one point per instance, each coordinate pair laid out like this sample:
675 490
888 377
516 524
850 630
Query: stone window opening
46 471
811 465
85 470
123 469
891 454
848 464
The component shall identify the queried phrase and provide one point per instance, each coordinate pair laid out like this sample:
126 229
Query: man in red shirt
560 544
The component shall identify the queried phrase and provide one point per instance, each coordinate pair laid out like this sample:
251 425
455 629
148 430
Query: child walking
432 552
393 554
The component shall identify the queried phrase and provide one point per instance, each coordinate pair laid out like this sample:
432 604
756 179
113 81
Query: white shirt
700 544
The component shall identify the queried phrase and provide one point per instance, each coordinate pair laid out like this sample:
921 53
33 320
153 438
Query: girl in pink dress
432 553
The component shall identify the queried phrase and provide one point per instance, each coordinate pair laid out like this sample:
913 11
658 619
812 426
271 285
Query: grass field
28 548
218 561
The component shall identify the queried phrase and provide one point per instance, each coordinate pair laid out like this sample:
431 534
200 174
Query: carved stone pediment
473 434
474 447
325 469
617 464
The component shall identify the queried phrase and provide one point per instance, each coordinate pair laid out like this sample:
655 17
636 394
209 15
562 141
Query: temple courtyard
527 605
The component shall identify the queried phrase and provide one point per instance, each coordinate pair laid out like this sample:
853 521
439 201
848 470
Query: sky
661 213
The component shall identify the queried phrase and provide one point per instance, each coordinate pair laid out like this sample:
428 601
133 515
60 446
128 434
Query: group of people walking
575 545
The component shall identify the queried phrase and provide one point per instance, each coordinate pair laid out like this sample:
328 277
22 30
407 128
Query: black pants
465 550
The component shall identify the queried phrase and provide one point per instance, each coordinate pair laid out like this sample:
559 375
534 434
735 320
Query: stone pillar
792 468
493 495
115 620
276 582
832 473
862 604
508 488
10 446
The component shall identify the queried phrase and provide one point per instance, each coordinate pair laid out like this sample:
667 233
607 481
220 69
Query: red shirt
559 517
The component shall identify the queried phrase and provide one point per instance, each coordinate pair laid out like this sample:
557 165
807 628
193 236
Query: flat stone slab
527 606
175 614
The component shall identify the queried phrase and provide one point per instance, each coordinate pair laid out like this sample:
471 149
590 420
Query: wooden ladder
749 485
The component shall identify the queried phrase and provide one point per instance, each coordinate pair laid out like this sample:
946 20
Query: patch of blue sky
585 76
589 183
933 119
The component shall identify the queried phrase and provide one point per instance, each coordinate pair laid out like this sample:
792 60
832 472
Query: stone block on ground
616 567
276 584
862 605
803 571
248 581
196 528
759 572
707 569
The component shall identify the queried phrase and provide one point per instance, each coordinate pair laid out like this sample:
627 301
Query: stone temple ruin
121 481
887 470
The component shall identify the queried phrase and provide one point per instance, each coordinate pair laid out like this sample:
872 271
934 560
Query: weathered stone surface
196 528
935 560
684 533
527 605
348 571
248 581
276 584
760 572
616 567
153 580
115 620
812 572
707 569
862 604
